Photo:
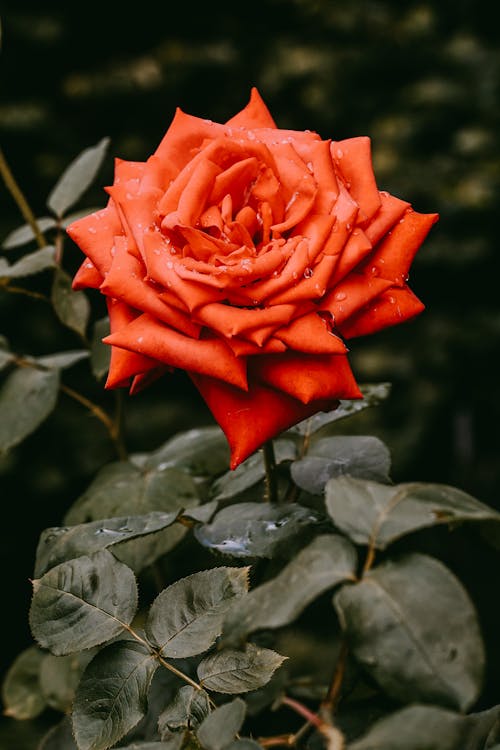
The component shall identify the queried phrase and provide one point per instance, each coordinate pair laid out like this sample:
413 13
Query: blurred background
420 78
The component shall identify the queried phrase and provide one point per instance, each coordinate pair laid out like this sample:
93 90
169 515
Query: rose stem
330 702
270 465
20 200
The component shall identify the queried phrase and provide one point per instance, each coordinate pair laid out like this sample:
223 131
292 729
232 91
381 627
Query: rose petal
312 285
94 234
391 210
254 115
393 255
307 377
184 138
309 333
317 157
353 293
149 337
235 181
357 247
354 158
137 211
244 348
87 276
125 281
124 365
250 419
392 307
235 321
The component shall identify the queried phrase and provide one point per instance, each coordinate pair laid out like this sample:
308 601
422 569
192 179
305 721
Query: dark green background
422 79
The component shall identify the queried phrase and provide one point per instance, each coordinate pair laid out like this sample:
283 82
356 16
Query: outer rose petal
87 276
390 308
148 336
307 377
124 364
254 115
355 160
393 255
250 419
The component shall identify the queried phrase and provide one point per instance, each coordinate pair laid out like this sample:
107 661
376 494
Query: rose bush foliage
246 254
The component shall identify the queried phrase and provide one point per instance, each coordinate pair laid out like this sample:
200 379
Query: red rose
245 255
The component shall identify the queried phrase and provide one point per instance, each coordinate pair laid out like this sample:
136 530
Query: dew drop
170 264
308 273
340 153
140 339
340 296
92 230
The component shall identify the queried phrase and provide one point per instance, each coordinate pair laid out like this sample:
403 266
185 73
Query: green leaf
21 693
72 308
221 726
100 354
360 456
27 397
186 711
367 511
202 452
62 360
59 677
30 264
415 728
413 627
82 603
76 178
250 472
186 618
202 513
59 544
112 696
483 729
255 529
59 737
373 394
24 234
231 671
325 562
122 488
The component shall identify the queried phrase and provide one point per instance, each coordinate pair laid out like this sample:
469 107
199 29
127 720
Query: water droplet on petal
340 296
308 273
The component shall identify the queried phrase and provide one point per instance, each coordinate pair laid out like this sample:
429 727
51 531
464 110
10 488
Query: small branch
20 200
332 697
160 658
270 465
335 738
101 416
26 292
280 740
370 557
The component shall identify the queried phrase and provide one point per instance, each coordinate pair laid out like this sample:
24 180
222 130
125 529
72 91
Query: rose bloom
246 255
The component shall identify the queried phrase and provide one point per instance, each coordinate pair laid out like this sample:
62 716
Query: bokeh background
421 78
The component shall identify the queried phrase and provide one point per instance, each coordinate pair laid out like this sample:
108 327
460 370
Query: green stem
270 466
20 200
